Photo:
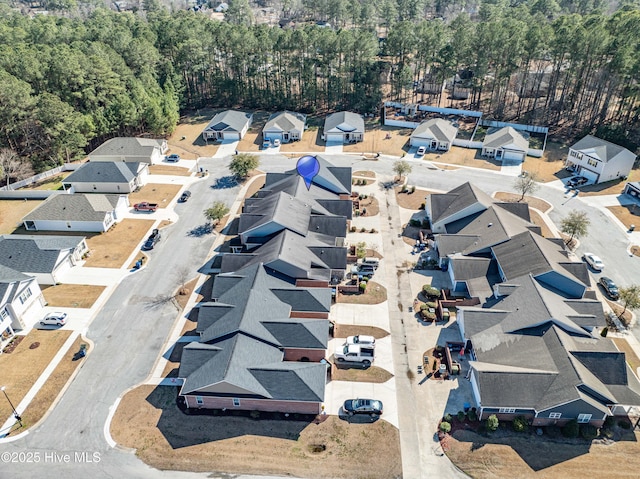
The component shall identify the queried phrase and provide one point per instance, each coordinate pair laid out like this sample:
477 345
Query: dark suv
153 238
610 287
577 181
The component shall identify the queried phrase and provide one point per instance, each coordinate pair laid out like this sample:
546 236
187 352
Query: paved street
130 331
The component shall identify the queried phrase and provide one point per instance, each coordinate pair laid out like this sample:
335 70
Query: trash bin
632 227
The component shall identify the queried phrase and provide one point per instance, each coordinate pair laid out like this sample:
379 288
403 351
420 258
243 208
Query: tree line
68 82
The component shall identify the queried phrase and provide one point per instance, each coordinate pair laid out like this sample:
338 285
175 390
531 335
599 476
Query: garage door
512 155
334 138
230 136
420 142
589 175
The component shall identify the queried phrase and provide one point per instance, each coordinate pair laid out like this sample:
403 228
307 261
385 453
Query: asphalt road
130 331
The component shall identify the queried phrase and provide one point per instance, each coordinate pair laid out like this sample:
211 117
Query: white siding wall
53 225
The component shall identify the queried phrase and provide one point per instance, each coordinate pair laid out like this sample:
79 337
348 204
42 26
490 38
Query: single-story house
284 126
77 212
21 301
632 188
108 177
600 160
435 134
142 150
44 257
344 127
506 143
228 125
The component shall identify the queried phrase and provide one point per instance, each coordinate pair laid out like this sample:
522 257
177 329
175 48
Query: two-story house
599 160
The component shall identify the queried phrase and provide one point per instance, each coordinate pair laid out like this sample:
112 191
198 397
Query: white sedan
55 319
594 261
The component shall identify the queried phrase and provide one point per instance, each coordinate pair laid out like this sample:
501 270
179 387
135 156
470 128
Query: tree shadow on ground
225 182
201 230
203 425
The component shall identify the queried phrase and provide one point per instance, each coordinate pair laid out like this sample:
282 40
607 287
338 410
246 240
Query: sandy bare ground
532 201
187 140
388 140
72 295
111 249
148 419
159 193
12 211
464 157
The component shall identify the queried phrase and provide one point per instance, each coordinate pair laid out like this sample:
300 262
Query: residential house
461 202
506 143
227 125
44 257
599 160
537 352
137 150
344 127
435 134
632 188
21 301
108 177
284 126
77 212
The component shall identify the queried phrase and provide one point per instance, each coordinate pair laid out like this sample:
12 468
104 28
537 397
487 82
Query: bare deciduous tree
12 167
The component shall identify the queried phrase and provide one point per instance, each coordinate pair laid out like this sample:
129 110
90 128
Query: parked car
354 353
153 238
362 340
276 142
370 261
56 319
594 261
363 406
185 196
421 151
610 287
577 181
173 158
144 206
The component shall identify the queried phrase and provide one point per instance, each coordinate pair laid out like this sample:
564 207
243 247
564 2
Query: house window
199 400
555 415
236 402
592 162
24 296
584 418
4 314
507 410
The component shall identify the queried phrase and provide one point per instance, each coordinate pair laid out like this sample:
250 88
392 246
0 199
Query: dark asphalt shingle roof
127 146
229 121
36 254
280 208
345 121
444 205
285 121
506 136
105 172
598 148
438 128
76 207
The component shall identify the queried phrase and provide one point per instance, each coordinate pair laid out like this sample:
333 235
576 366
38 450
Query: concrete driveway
226 148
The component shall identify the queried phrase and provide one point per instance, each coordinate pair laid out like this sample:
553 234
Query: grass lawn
48 393
464 157
169 170
630 355
12 211
627 214
526 456
411 201
346 330
72 295
372 374
155 193
374 294
51 183
376 141
532 201
22 367
148 419
113 248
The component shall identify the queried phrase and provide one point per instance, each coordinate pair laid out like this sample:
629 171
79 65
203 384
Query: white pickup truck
355 354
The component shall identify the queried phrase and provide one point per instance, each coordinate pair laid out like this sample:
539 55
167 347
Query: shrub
606 432
363 286
445 427
426 224
609 422
363 230
255 414
472 415
421 206
427 315
492 423
424 307
431 292
571 429
373 230
520 424
624 424
415 223
553 431
413 189
588 431
431 304
353 229
447 418
461 415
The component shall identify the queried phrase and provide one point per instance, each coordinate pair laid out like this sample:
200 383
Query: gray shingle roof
438 128
598 148
506 136
36 254
126 146
9 275
280 208
345 121
76 207
285 121
444 205
229 120
105 172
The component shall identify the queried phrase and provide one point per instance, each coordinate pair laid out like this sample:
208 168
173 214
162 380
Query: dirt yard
374 294
370 205
464 157
376 140
528 457
411 201
627 214
148 420
190 128
551 166
365 173
615 187
346 330
169 170
372 374
72 295
537 220
532 201
113 248
45 397
12 211
155 193
23 366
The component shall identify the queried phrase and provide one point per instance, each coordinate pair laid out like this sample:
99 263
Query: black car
362 406
610 287
185 196
577 181
153 238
